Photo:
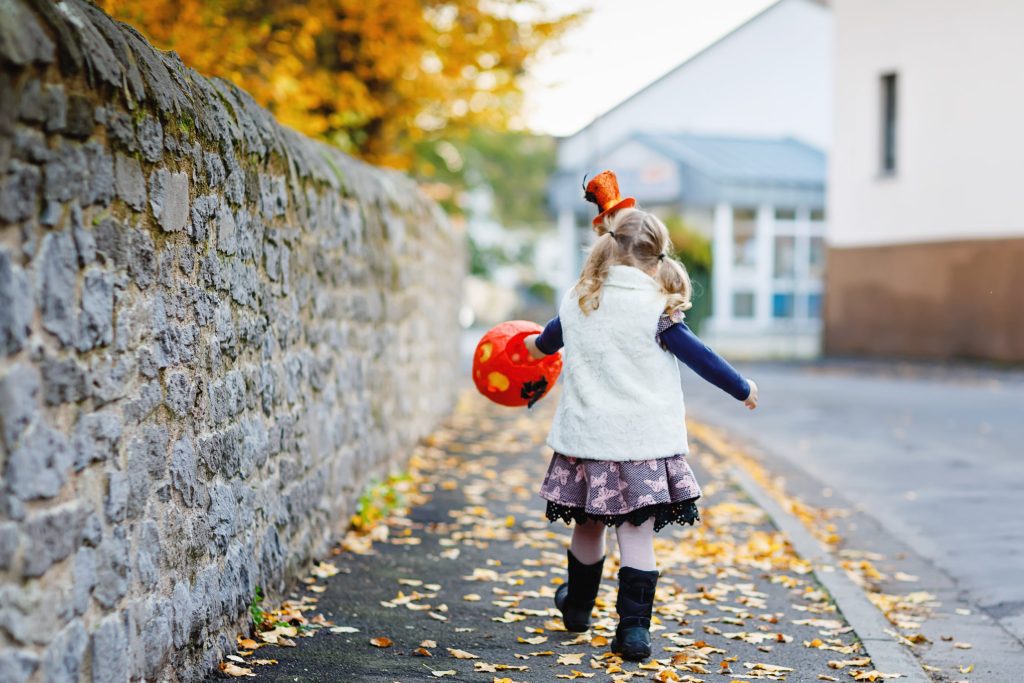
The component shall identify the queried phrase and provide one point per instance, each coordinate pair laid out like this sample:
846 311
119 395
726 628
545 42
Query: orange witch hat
603 190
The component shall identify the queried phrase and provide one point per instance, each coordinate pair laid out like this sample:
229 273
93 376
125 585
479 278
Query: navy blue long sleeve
550 340
698 356
680 340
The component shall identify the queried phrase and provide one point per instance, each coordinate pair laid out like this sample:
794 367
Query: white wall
960 129
771 77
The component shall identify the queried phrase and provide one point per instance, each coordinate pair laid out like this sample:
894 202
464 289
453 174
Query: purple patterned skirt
613 492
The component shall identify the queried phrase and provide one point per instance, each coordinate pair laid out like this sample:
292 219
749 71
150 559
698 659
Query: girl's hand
751 400
531 346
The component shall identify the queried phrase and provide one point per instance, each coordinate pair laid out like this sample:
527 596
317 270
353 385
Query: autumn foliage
374 77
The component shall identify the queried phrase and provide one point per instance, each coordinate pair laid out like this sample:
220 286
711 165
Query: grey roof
774 161
711 169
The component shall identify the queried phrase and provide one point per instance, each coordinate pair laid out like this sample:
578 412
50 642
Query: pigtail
600 258
675 282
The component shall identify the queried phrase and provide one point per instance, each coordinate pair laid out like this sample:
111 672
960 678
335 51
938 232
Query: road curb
868 623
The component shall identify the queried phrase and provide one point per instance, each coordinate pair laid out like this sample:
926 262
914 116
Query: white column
569 250
802 258
721 267
765 264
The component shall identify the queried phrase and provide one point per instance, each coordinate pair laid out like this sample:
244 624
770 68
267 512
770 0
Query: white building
926 210
681 145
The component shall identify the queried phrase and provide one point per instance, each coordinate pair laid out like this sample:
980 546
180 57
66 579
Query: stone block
15 305
51 535
151 138
129 182
155 634
62 661
148 554
141 258
96 438
121 130
273 195
116 502
112 568
148 399
56 107
37 467
85 243
112 242
109 648
185 475
66 173
182 614
99 187
147 461
19 192
8 544
221 517
56 285
63 380
96 319
83 579
17 666
81 118
22 42
168 197
181 393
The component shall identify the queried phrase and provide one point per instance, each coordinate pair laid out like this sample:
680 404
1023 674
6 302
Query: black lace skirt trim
682 512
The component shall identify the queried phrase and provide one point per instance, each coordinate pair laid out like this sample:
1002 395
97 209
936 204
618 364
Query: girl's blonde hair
632 237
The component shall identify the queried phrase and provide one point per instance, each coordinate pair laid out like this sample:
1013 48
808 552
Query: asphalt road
934 455
481 556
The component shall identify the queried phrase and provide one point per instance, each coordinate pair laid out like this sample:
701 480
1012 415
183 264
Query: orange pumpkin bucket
504 371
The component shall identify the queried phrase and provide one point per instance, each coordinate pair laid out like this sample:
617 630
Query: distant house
926 209
733 140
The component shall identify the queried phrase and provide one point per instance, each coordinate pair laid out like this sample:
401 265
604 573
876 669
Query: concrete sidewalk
472 570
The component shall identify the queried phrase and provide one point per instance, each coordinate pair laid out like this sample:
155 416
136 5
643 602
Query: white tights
636 544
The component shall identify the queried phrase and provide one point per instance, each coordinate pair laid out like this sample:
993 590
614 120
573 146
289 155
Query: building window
817 257
782 214
889 123
783 305
817 215
814 305
744 233
785 256
743 304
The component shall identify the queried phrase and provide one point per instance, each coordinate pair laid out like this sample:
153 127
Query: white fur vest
620 397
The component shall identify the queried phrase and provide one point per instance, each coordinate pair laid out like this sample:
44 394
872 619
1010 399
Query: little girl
618 433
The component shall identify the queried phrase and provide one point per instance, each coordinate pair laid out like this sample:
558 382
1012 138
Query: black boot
575 598
636 598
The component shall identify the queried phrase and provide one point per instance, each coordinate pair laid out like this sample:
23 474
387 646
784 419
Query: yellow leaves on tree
372 76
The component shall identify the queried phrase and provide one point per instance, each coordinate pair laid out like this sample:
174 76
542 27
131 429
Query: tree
374 77
516 165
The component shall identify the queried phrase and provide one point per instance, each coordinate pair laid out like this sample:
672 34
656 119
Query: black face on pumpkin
534 391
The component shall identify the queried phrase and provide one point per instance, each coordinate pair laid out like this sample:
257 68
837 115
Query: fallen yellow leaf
536 640
235 670
382 641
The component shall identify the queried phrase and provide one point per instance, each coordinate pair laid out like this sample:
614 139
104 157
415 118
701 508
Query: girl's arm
548 341
698 356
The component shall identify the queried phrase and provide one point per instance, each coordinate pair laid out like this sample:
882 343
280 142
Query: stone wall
213 332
